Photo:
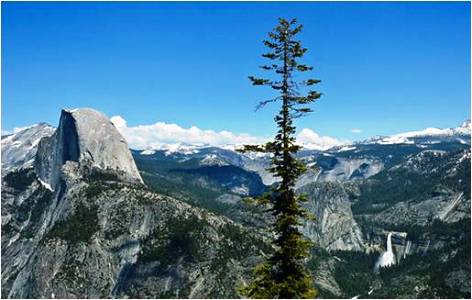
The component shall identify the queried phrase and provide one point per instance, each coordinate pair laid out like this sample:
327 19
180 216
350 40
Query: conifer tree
283 274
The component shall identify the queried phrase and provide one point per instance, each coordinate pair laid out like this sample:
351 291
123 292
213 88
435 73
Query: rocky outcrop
88 138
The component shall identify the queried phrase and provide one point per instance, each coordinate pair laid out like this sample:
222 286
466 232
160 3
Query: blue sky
385 67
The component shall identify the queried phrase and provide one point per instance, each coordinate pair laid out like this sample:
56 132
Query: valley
82 218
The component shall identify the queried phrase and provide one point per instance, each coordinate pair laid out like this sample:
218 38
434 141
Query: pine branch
267 67
270 55
259 81
264 148
270 44
313 95
304 68
311 82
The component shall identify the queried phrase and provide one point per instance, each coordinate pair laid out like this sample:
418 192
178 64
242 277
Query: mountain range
83 216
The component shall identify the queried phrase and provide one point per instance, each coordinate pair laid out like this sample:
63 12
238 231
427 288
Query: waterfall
407 249
427 247
387 258
389 243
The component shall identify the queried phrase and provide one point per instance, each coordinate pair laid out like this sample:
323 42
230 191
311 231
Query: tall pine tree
283 274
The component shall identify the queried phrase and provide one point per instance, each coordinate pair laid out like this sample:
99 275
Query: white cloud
155 135
356 130
118 121
311 140
163 135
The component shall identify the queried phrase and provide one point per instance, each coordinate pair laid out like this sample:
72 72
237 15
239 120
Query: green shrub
102 175
93 190
21 179
179 238
78 227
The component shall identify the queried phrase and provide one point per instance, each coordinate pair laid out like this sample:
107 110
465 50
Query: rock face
19 149
87 137
334 227
79 224
448 206
111 239
346 169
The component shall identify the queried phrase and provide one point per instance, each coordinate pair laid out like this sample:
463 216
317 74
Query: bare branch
265 102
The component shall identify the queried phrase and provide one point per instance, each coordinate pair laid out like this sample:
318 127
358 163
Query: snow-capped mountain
174 148
427 136
359 159
460 134
19 149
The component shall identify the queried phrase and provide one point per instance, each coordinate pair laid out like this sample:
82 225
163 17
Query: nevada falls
83 216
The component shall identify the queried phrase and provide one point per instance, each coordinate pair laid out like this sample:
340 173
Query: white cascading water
407 249
387 258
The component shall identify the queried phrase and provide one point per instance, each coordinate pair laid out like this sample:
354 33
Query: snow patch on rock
19 148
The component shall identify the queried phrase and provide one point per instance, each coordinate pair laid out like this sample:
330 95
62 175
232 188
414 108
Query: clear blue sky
385 67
